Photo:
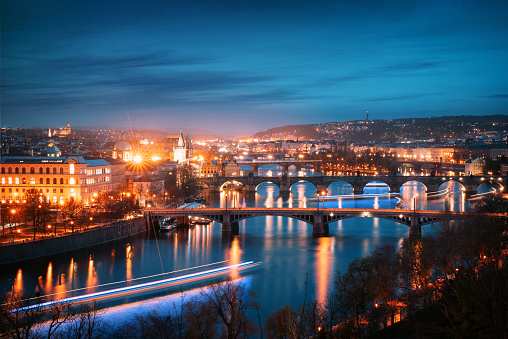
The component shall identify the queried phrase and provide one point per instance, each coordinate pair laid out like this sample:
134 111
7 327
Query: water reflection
91 281
324 264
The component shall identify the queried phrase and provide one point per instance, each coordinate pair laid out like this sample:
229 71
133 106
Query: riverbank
28 250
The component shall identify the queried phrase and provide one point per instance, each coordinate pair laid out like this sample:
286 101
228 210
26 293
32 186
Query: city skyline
240 67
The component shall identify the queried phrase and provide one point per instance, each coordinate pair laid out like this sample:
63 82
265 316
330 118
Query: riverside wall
49 246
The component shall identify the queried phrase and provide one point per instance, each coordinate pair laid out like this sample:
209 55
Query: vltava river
286 247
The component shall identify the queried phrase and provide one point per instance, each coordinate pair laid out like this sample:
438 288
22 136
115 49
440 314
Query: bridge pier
230 227
319 228
357 189
415 230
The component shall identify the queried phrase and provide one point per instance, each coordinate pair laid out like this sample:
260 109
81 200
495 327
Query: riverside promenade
22 246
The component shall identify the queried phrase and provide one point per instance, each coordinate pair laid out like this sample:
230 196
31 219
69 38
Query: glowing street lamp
415 202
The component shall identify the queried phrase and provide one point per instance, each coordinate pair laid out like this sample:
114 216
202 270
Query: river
288 251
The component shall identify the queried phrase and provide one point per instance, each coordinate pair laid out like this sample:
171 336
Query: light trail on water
138 287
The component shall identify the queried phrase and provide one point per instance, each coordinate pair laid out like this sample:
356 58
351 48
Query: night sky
236 67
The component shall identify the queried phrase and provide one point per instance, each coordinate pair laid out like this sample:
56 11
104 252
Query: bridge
284 182
320 219
284 163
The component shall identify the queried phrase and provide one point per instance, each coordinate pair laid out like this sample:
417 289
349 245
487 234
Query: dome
122 146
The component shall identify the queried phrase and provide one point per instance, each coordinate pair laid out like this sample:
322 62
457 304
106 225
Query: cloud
494 96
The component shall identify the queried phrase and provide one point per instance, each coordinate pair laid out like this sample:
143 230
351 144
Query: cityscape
264 169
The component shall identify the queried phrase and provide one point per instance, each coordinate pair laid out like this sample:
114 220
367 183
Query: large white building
60 179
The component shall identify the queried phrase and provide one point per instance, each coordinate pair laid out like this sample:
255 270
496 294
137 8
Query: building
182 152
208 169
60 132
232 169
123 150
58 178
474 167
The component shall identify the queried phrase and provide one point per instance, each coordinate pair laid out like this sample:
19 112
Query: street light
323 193
226 193
13 212
415 202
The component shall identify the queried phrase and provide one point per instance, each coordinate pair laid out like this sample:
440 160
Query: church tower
180 151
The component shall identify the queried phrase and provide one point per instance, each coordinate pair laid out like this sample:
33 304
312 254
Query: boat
200 221
169 224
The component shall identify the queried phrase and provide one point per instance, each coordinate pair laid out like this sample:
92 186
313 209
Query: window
54 190
23 170
54 170
61 170
61 190
3 181
71 169
55 199
3 170
16 181
72 181
32 170
61 200
10 181
40 170
41 181
3 190
47 181
61 181
54 181
10 170
47 170
16 170
32 181
24 181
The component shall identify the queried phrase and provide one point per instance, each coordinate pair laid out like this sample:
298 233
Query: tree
229 302
71 211
282 324
355 288
187 181
37 210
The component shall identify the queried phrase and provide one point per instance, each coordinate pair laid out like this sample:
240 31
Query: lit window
72 181
55 199
71 168
16 180
10 181
61 200
3 181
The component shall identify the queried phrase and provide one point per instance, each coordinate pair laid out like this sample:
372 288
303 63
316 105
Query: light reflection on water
285 246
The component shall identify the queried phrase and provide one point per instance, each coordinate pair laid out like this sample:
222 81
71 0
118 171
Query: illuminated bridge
318 218
285 182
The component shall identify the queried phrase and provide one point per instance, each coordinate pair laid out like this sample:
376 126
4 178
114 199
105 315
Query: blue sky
238 67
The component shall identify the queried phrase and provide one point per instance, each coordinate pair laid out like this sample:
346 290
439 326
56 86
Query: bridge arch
379 183
492 184
414 185
231 184
340 187
266 182
452 185
295 191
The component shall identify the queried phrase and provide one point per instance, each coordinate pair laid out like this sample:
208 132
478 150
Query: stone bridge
318 218
250 182
284 163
